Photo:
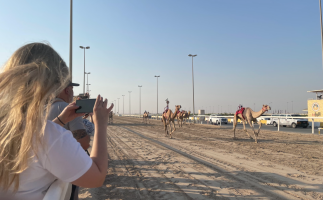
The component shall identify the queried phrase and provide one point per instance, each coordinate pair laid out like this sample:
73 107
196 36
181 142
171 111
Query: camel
250 116
186 115
168 117
182 117
110 119
145 117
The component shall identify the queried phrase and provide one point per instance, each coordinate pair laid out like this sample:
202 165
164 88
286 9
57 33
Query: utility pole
118 105
193 86
71 39
139 99
157 95
129 103
123 105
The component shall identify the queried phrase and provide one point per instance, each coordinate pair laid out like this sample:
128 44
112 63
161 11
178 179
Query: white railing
279 117
264 116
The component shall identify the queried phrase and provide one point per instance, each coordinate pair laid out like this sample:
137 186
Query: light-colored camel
168 118
186 116
249 116
145 117
182 117
110 119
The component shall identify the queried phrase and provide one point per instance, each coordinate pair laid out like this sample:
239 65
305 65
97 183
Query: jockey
166 108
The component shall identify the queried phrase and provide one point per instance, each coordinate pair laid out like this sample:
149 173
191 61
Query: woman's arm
95 176
67 115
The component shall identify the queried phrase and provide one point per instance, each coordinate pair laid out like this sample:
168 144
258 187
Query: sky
249 52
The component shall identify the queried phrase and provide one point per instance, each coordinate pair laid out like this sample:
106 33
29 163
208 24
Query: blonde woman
35 152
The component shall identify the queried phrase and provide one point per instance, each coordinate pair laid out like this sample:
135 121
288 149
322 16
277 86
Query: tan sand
204 162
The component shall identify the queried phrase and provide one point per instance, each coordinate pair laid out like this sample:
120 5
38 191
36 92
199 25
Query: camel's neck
175 113
257 114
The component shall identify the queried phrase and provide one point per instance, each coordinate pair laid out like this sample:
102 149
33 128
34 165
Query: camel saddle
240 111
164 113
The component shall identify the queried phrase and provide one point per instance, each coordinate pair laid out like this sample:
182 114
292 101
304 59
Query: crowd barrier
200 119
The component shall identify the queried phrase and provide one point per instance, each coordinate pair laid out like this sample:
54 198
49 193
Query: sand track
203 162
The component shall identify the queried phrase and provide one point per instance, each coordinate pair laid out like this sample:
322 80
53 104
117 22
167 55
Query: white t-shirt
63 158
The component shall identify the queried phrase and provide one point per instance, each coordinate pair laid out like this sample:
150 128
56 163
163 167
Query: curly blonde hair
29 82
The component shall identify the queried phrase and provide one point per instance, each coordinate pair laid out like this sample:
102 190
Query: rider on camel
167 107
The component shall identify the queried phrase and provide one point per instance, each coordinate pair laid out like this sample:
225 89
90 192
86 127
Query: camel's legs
244 127
235 121
165 126
249 122
170 128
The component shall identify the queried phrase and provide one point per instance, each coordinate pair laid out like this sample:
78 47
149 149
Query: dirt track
204 162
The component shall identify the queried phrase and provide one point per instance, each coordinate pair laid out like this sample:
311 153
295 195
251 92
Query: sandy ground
204 162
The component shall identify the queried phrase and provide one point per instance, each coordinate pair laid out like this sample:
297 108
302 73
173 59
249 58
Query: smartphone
86 105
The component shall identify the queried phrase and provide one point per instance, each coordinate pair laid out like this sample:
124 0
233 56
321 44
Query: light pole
87 88
193 85
115 108
71 39
118 105
139 99
321 28
84 67
129 103
157 95
87 80
123 105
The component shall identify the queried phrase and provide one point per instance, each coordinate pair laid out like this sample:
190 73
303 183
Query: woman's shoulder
54 131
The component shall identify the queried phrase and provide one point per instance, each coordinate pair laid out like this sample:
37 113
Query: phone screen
86 105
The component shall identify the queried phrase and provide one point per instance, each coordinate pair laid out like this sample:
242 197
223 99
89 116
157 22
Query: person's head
67 94
29 81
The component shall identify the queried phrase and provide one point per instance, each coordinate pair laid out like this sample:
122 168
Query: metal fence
200 119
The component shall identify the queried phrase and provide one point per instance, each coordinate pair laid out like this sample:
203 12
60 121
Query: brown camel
186 116
249 116
182 117
145 117
110 119
168 118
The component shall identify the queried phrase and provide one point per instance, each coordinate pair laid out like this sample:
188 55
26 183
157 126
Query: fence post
312 126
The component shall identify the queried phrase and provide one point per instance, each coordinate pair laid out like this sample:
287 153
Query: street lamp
87 88
193 85
157 95
118 105
139 99
71 39
123 105
321 28
87 80
129 103
115 107
84 67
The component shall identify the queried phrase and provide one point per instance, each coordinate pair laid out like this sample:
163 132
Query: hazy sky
249 52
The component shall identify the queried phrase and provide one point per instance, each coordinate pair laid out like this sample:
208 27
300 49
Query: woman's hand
68 114
100 111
